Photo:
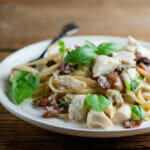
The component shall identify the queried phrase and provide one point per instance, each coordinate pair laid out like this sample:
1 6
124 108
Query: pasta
72 88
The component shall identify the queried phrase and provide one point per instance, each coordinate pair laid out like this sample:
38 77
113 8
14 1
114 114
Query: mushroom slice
70 82
98 120
115 97
77 111
123 114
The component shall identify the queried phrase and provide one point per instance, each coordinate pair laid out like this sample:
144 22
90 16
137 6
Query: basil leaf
93 102
62 48
90 45
137 112
134 83
24 85
82 55
97 102
107 48
128 86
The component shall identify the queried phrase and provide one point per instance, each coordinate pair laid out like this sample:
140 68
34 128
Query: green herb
62 48
134 83
137 112
128 86
82 55
86 54
97 102
139 79
62 102
24 85
90 45
108 48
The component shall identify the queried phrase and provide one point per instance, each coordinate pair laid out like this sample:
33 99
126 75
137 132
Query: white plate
28 113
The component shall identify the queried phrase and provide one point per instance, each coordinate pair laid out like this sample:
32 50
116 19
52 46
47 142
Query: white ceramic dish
28 113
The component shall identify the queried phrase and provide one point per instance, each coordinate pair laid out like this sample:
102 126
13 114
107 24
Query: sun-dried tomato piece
42 102
132 123
141 59
104 82
145 67
65 68
115 80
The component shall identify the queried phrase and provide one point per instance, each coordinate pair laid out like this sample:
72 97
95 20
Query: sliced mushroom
77 111
115 97
98 120
104 65
70 82
122 114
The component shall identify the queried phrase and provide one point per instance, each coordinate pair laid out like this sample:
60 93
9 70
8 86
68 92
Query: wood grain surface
23 22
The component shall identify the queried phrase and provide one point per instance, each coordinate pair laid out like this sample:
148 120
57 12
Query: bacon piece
52 107
145 67
103 82
42 102
50 112
113 81
132 123
65 68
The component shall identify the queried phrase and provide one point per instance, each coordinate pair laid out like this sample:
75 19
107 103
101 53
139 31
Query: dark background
23 22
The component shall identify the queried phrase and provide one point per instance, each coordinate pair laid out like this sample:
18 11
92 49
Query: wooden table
23 22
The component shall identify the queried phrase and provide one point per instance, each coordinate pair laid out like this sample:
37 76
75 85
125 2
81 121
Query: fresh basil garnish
90 45
62 48
134 83
137 112
86 54
97 102
107 48
81 55
24 85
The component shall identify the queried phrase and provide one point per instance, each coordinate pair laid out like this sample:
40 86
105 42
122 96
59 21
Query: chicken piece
77 111
129 74
123 114
115 97
133 45
104 65
98 120
70 82
110 111
127 59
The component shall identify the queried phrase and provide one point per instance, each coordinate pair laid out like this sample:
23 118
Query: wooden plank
24 22
4 54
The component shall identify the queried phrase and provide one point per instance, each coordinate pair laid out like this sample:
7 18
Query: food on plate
102 85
